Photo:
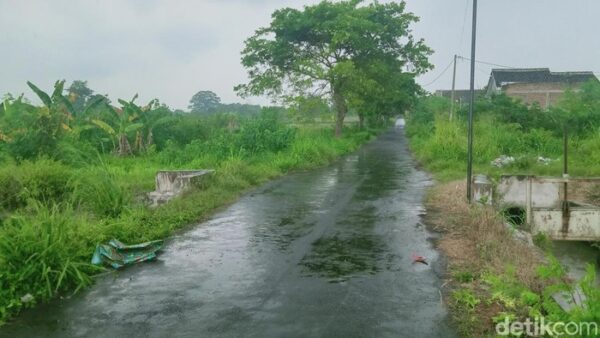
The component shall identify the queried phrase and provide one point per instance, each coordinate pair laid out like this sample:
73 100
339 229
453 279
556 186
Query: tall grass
97 190
494 276
44 180
42 253
55 213
442 148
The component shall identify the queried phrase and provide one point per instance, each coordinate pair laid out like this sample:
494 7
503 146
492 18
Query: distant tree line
207 102
76 119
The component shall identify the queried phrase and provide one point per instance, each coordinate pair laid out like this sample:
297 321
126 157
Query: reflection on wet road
322 253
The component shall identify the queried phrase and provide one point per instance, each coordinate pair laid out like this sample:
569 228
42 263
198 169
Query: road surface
323 253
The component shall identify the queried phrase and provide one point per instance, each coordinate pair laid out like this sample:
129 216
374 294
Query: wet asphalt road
323 253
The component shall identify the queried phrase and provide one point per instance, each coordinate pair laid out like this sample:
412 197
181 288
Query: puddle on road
340 257
282 231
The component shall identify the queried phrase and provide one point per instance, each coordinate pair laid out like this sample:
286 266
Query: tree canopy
204 101
343 50
79 94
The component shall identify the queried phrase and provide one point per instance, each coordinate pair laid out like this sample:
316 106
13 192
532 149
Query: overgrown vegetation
74 173
504 126
494 276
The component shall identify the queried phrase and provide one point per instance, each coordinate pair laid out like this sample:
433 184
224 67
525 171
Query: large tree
204 101
79 94
381 90
326 49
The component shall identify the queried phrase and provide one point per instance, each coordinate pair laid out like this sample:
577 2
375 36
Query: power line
440 75
462 58
479 69
483 72
462 31
486 63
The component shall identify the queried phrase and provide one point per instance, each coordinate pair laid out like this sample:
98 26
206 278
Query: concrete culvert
515 215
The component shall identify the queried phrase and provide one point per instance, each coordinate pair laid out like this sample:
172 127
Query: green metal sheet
117 255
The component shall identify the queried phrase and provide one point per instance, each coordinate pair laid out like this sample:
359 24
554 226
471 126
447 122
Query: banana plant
53 119
9 122
156 123
32 130
58 107
129 119
152 117
126 121
19 118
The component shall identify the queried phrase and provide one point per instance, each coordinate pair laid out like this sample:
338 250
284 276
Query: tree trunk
124 148
139 142
341 109
150 139
231 126
361 121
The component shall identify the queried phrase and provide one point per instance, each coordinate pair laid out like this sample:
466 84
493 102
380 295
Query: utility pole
453 85
565 202
471 104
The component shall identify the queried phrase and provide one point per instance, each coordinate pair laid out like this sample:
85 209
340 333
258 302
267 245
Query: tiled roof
538 75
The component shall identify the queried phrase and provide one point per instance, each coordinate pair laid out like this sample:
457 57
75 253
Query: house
536 85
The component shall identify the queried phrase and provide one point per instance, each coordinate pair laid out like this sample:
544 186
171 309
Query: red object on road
419 259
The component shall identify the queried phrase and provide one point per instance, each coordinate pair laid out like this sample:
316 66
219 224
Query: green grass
442 148
55 214
440 145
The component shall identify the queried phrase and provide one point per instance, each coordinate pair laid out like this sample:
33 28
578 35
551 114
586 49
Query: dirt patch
475 240
476 235
458 252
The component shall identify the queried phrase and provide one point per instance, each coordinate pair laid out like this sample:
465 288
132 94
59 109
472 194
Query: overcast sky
172 49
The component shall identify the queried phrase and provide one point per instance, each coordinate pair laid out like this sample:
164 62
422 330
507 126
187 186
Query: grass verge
492 277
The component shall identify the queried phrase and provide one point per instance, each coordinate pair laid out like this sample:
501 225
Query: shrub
40 255
43 180
503 127
174 154
10 189
5 157
463 276
447 142
542 142
95 189
266 133
466 299
76 153
255 136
